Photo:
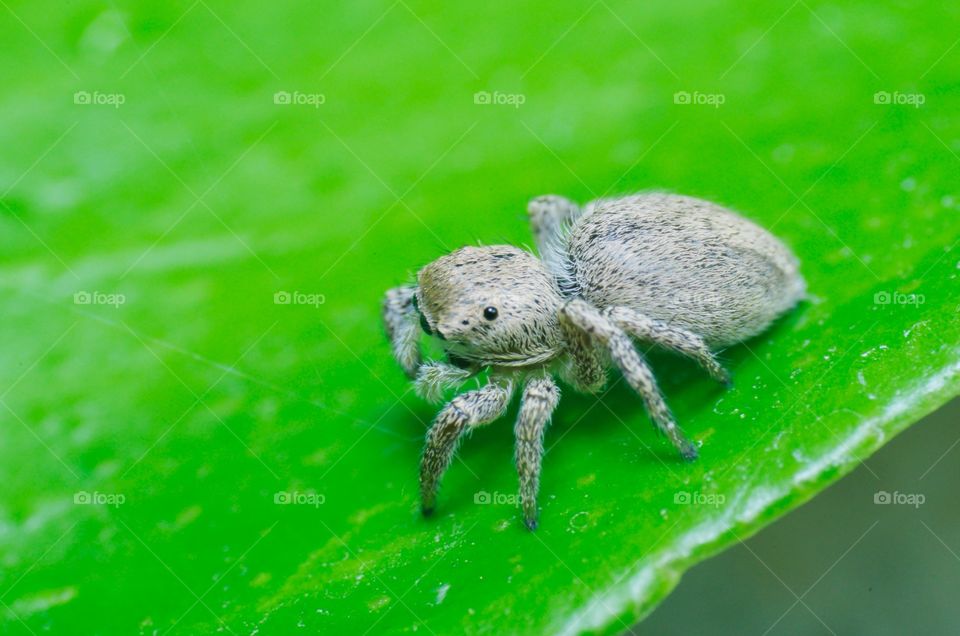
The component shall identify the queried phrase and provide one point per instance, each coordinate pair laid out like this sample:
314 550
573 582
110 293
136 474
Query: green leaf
186 452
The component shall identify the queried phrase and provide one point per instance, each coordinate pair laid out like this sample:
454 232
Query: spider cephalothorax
673 271
491 306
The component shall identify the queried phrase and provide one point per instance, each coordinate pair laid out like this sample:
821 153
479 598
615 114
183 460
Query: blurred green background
173 172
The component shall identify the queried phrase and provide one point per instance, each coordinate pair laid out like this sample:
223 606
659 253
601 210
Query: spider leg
460 415
540 397
676 339
400 320
585 368
433 378
550 217
582 314
548 214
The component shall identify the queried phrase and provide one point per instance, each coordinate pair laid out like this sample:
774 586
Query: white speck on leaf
578 521
906 332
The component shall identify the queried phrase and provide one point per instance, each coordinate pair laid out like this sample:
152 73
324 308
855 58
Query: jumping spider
669 270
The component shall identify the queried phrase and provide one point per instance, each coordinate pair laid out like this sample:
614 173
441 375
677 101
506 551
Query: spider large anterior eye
425 325
490 313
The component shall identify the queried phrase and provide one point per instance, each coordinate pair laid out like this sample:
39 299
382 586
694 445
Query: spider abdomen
685 261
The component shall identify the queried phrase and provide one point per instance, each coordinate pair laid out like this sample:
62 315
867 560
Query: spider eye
490 313
425 325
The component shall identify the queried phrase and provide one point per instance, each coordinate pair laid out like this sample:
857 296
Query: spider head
490 306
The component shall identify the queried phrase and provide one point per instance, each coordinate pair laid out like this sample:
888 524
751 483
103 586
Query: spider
674 271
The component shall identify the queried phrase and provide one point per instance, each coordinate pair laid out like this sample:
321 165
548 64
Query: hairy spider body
674 271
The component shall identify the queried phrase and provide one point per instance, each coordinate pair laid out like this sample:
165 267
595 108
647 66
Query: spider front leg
460 415
433 378
540 397
676 339
587 318
400 320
